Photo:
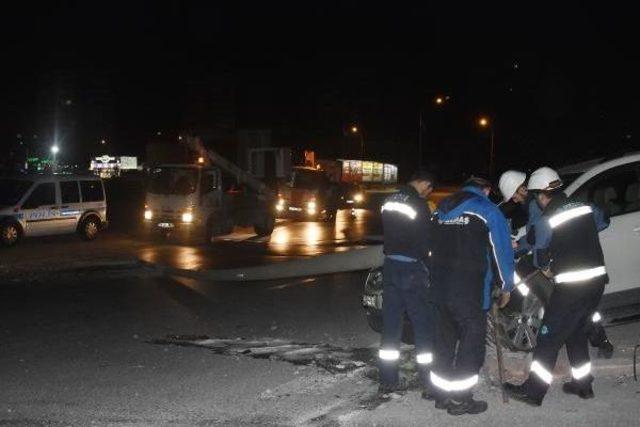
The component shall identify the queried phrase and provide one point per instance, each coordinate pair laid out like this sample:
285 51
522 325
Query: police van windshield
169 180
12 190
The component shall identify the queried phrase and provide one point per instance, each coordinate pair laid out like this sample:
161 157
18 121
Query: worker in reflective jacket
407 227
513 187
471 251
567 249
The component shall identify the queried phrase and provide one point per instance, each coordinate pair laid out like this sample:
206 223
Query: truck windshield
308 180
173 181
12 190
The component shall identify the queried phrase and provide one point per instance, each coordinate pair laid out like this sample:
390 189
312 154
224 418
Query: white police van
39 205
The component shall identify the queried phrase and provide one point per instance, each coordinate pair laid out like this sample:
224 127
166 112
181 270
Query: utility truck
206 197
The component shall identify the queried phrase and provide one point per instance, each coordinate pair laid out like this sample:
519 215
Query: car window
12 190
616 191
568 178
91 191
69 192
43 195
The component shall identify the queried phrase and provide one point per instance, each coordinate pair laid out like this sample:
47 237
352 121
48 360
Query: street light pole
440 102
54 151
356 130
485 122
420 140
492 156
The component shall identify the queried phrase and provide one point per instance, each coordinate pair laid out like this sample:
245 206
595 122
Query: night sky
559 83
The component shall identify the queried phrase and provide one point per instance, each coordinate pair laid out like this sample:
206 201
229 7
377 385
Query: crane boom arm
195 143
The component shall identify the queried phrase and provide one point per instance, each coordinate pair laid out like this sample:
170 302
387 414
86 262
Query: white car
613 185
39 205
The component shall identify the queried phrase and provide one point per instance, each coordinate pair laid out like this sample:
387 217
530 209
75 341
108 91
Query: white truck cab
193 201
39 205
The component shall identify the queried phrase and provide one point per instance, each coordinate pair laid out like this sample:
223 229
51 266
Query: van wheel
90 228
9 233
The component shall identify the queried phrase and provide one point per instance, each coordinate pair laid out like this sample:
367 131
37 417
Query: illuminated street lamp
484 122
103 141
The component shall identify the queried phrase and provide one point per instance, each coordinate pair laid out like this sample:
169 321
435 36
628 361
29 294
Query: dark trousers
460 347
566 321
596 333
406 290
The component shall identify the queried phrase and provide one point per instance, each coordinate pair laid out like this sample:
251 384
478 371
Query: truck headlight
311 207
187 217
148 214
358 198
280 205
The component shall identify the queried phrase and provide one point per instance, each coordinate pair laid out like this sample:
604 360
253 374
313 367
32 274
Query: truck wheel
9 233
265 228
217 227
209 232
330 215
90 228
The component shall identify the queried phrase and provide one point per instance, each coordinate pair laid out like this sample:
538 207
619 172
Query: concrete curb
75 267
341 262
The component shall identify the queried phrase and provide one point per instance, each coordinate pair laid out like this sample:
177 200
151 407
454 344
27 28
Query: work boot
580 390
386 391
428 394
442 403
605 349
518 392
466 406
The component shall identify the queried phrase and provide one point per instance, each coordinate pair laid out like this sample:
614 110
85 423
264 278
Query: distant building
112 166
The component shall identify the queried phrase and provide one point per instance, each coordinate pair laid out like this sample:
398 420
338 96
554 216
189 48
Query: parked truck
308 195
206 197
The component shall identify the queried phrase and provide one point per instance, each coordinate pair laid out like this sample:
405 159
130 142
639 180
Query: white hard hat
544 179
509 183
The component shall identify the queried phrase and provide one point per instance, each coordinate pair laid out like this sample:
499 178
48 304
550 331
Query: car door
93 197
210 194
70 205
617 192
41 210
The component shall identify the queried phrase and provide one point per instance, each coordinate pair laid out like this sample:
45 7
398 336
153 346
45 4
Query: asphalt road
290 239
82 349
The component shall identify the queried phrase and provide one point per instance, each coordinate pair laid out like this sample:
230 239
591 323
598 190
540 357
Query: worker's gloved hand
504 299
547 272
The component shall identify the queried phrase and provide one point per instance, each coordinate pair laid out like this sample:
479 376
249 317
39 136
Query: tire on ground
10 233
89 227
